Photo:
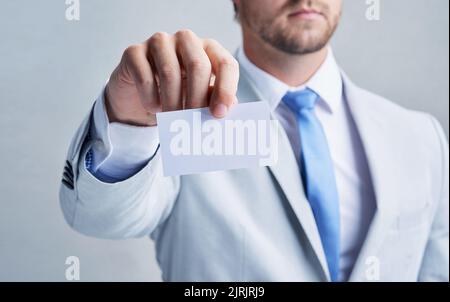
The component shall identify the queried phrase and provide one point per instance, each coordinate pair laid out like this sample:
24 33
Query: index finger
226 71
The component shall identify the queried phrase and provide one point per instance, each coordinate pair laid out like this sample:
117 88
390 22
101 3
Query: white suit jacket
257 225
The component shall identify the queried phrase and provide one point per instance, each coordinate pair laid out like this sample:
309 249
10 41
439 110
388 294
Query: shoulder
417 125
394 113
416 137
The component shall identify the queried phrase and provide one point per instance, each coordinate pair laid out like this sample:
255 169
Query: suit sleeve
120 150
131 208
435 263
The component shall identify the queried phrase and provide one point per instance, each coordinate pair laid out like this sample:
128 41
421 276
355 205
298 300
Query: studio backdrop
54 64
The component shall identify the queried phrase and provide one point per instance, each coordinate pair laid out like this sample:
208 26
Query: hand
171 72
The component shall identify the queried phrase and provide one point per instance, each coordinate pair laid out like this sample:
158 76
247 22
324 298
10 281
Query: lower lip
306 16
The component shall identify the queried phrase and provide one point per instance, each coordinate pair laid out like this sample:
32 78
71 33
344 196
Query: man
360 192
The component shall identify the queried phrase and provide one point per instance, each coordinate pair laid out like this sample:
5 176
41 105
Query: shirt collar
326 82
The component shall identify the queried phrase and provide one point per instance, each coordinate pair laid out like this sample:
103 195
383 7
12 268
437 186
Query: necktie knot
301 100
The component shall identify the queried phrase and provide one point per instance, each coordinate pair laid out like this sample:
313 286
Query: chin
308 39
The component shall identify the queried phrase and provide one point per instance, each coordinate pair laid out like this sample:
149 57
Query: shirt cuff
119 151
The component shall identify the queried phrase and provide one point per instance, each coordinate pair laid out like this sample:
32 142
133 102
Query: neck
294 70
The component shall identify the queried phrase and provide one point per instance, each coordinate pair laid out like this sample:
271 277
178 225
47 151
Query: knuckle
168 73
144 80
212 42
132 50
228 62
158 39
199 65
185 34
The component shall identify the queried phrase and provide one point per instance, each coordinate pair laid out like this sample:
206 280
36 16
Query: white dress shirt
122 150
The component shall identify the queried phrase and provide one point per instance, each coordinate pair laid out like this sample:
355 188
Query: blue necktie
318 174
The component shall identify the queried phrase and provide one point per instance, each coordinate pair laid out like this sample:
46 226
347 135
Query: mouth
306 14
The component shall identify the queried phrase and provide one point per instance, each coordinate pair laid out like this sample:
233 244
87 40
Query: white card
193 141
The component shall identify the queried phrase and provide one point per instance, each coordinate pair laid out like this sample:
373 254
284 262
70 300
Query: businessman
360 191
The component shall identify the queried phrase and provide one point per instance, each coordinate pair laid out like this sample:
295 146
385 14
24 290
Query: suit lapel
287 174
378 150
373 133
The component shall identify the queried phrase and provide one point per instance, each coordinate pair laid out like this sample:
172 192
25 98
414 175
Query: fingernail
220 110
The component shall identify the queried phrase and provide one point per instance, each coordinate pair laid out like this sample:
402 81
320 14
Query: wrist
116 114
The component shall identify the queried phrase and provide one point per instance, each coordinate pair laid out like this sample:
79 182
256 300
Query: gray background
51 71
